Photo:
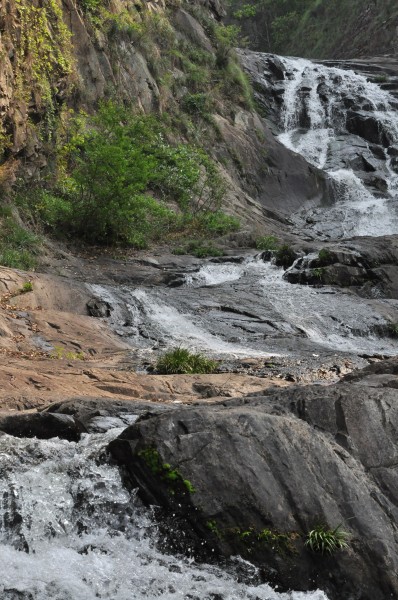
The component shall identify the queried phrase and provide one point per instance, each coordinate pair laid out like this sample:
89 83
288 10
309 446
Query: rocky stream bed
120 483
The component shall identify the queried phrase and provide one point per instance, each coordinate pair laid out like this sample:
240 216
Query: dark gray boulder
43 425
366 126
253 476
332 266
99 308
100 414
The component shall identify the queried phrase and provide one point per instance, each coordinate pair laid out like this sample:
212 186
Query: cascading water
248 309
70 531
342 123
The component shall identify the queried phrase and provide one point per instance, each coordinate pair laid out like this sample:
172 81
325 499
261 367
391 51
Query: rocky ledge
253 476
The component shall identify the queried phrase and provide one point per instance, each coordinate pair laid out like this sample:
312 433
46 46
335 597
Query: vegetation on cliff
319 28
119 179
129 162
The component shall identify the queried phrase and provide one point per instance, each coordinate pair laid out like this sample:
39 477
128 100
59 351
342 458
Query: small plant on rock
325 257
267 242
319 272
285 256
27 287
61 353
182 361
393 329
323 540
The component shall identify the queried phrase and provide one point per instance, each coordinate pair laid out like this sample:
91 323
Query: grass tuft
326 541
183 362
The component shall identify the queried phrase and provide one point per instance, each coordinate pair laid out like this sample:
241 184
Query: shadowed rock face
43 426
283 462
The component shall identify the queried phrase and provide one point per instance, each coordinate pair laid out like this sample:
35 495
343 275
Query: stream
249 310
69 530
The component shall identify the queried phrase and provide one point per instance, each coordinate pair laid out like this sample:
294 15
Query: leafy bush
267 242
197 104
325 257
27 287
182 361
216 222
119 175
323 540
200 249
18 247
90 5
227 37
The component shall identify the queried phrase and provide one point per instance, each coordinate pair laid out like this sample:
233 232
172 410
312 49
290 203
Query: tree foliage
122 180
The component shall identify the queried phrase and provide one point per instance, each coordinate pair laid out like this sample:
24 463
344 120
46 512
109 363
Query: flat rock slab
253 476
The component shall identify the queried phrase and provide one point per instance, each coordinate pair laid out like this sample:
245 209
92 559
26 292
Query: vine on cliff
43 51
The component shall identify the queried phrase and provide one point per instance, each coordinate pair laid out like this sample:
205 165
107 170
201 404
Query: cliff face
57 55
36 67
174 58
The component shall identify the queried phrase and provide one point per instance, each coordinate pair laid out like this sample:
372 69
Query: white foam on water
318 92
364 214
70 531
216 274
180 330
328 317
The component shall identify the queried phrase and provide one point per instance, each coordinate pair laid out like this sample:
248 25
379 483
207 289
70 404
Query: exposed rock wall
279 465
78 63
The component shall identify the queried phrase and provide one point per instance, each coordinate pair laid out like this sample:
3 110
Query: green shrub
393 327
382 78
197 104
199 248
326 541
319 273
18 247
61 353
216 222
267 242
90 5
182 361
119 175
227 38
325 257
27 287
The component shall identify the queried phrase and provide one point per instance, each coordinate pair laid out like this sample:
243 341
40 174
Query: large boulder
367 127
253 476
43 426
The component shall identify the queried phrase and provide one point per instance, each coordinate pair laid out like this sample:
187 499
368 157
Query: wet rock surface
343 120
43 426
97 415
281 462
365 265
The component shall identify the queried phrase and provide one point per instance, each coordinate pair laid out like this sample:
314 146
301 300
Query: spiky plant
182 361
326 541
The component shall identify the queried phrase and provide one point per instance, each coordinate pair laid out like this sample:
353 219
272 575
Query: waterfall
348 126
69 530
247 310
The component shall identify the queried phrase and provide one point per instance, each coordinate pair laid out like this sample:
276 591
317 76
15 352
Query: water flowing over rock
340 122
255 475
249 308
69 530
